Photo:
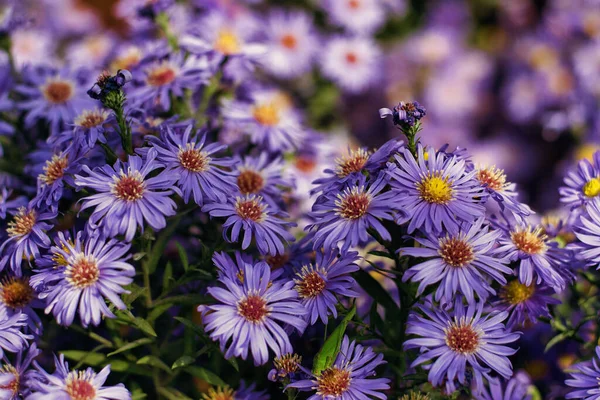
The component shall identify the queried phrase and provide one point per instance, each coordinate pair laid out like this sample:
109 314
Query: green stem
124 130
209 92
162 20
110 155
147 285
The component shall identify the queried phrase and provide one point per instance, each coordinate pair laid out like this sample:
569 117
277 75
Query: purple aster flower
91 124
502 192
257 219
404 115
269 119
56 96
291 44
165 78
248 317
65 384
358 16
582 184
437 192
12 339
347 215
525 303
350 166
127 197
351 62
461 261
16 378
201 173
584 379
320 283
460 340
242 393
17 296
263 177
26 235
517 388
85 272
587 231
349 377
536 255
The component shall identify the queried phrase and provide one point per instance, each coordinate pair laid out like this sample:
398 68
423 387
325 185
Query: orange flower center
351 58
266 114
277 261
54 169
353 162
251 209
306 164
129 187
289 41
193 159
250 182
161 75
333 382
353 205
58 91
13 385
462 338
16 292
529 240
456 251
22 224
310 284
287 364
83 272
91 118
79 387
253 308
492 177
354 4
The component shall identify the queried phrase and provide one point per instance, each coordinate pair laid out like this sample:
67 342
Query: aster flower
537 257
404 115
56 96
461 339
257 219
460 261
16 378
320 283
17 296
525 303
349 377
291 44
201 173
168 77
517 388
351 62
353 164
502 192
286 366
242 393
347 215
584 379
26 235
90 126
437 191
268 119
587 231
358 16
86 272
262 176
583 184
65 384
248 316
12 339
127 197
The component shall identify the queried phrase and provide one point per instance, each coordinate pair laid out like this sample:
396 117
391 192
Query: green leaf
326 356
377 292
138 256
135 292
172 394
191 299
183 362
160 244
131 345
555 340
167 276
205 374
382 254
130 368
127 317
183 256
138 395
157 312
91 359
154 362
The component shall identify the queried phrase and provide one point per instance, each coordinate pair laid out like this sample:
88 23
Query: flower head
405 115
583 184
584 379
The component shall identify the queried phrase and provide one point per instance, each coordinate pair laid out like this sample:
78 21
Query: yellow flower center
250 182
310 283
83 272
193 159
54 169
91 118
333 382
435 189
16 292
516 293
492 177
353 205
591 187
14 384
287 364
79 386
227 42
22 224
266 114
353 162
529 240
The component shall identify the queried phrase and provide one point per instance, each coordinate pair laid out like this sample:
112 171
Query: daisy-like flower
168 77
351 62
318 284
353 164
12 339
65 384
460 261
536 255
291 44
17 296
127 197
517 388
584 379
86 272
525 303
583 184
242 393
263 177
461 339
55 96
90 126
347 215
257 219
358 16
502 192
26 235
437 191
202 175
269 119
349 377
286 366
587 231
249 315
16 378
